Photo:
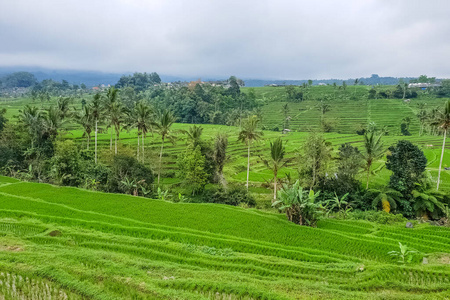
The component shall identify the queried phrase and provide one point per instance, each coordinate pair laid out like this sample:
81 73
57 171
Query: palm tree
277 161
140 118
248 134
194 134
31 118
422 116
388 198
323 108
63 107
356 83
443 123
85 118
220 155
52 122
112 97
97 110
373 150
163 123
117 115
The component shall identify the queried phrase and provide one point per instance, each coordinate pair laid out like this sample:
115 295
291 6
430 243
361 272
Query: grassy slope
116 245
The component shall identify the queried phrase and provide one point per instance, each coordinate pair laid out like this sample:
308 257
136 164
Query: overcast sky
276 39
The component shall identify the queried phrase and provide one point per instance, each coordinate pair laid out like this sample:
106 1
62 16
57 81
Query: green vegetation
60 240
321 145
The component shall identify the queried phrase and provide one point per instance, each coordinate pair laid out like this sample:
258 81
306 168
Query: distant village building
192 84
322 83
423 85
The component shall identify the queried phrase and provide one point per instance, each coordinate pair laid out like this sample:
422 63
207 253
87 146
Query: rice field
69 243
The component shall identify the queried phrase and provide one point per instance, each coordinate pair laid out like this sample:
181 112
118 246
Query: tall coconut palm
323 108
140 117
85 118
276 162
112 97
248 134
163 125
220 155
356 83
373 150
117 115
97 111
422 116
442 122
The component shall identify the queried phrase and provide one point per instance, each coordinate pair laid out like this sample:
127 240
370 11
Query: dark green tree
407 162
191 166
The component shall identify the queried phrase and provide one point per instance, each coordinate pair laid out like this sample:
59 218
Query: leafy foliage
407 162
231 195
300 206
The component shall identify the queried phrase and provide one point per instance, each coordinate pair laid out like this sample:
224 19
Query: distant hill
94 78
373 80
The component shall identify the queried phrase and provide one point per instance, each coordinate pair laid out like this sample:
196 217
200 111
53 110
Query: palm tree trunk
442 156
275 187
110 142
368 177
138 146
87 141
143 148
160 159
96 130
115 142
248 164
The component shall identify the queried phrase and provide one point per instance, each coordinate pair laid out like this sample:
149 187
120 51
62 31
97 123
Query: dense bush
231 195
407 162
380 217
129 176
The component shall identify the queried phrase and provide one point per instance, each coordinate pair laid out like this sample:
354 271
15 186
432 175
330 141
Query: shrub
380 217
128 169
231 195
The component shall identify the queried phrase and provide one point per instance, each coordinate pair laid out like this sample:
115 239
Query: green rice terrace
68 243
63 239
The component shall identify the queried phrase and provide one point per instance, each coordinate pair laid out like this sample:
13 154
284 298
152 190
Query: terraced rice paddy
348 115
67 243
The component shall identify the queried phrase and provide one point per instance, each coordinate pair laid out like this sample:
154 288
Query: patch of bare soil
55 233
444 259
11 248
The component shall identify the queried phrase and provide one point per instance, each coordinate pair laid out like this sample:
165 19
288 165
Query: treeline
196 102
34 148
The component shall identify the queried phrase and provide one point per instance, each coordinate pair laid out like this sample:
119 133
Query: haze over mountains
94 78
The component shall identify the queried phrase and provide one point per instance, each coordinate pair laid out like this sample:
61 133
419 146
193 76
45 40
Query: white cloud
258 39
